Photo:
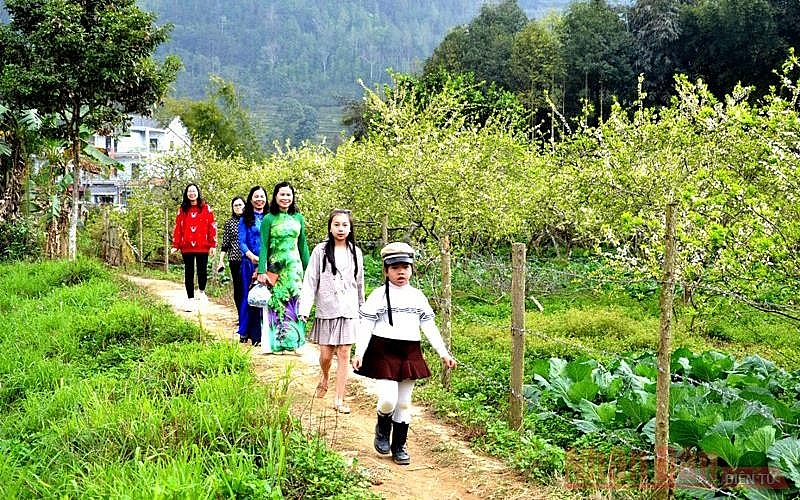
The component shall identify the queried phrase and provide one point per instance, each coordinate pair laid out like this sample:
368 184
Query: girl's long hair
350 241
249 215
186 204
274 209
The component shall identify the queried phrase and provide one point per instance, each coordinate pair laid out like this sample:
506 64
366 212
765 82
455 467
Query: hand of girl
253 258
356 362
303 318
449 361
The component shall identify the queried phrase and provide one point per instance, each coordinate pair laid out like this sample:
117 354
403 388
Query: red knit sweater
195 230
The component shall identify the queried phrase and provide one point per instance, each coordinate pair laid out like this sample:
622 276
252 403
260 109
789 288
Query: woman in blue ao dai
250 245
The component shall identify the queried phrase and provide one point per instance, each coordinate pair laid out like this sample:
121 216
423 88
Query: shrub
19 240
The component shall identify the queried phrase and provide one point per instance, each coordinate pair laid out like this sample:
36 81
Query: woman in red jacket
195 236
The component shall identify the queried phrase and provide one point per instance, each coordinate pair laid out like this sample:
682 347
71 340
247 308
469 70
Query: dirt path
442 465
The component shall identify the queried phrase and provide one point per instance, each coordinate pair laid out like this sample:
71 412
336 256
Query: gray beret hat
397 252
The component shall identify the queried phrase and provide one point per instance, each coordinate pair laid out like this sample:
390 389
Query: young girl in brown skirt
388 348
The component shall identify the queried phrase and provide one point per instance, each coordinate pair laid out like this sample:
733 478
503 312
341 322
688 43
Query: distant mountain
295 60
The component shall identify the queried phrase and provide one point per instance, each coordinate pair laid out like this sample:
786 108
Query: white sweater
337 296
411 313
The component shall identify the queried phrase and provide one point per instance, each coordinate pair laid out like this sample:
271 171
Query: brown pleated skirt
393 360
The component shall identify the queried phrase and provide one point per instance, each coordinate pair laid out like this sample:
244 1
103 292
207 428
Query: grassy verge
104 393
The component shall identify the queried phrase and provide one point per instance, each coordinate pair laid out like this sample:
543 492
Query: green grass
106 394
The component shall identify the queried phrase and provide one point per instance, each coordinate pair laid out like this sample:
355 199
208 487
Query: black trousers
189 260
238 284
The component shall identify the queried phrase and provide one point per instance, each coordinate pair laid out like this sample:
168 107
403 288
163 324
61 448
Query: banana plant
19 135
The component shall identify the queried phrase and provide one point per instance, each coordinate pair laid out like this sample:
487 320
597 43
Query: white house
135 148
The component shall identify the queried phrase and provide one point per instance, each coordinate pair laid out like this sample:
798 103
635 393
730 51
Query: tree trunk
51 248
516 401
662 472
13 189
56 244
447 304
76 185
384 230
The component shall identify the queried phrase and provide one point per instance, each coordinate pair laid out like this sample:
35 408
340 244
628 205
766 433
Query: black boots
399 433
399 452
382 431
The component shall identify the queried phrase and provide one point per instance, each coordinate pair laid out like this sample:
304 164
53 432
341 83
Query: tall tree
537 68
730 41
219 119
484 46
787 14
598 51
656 26
88 61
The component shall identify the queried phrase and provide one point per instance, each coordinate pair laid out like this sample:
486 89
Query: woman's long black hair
249 215
186 204
233 212
350 241
274 209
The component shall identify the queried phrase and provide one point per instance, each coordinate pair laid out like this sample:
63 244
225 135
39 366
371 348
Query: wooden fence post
662 472
105 244
447 304
141 239
166 239
517 403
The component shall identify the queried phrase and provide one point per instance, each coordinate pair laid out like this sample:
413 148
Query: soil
442 464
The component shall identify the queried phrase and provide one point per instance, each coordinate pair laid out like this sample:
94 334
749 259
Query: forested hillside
294 61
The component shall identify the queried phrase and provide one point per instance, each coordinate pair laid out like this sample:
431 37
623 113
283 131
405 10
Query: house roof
142 121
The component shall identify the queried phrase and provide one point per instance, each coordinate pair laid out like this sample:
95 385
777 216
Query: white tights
395 397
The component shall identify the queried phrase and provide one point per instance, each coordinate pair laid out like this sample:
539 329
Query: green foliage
598 53
530 453
421 165
19 138
135 83
739 39
785 454
19 239
608 327
484 46
708 407
477 102
536 67
78 74
315 472
219 120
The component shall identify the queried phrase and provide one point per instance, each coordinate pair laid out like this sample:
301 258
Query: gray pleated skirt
333 331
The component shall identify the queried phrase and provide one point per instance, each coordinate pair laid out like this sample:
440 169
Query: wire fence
688 476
